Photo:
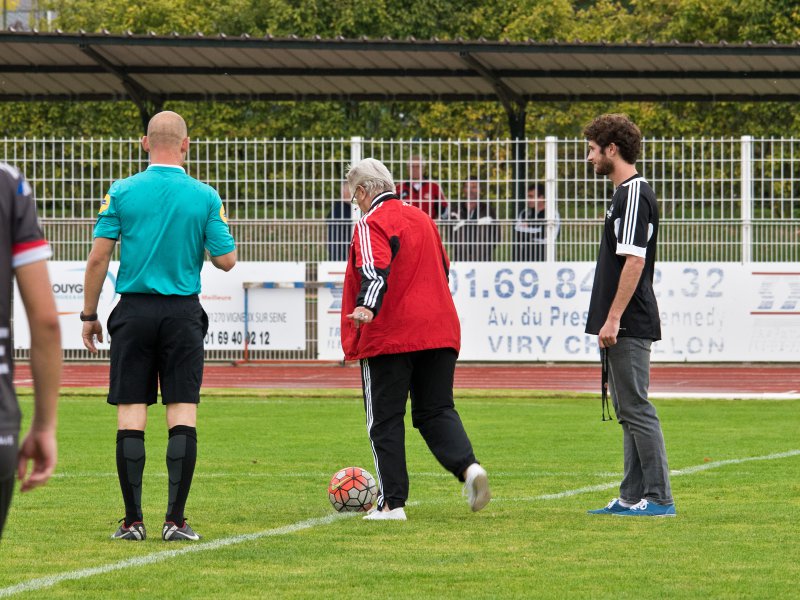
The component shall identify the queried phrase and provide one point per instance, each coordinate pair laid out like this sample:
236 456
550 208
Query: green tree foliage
540 20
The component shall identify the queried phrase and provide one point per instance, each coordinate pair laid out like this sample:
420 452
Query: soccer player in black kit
23 255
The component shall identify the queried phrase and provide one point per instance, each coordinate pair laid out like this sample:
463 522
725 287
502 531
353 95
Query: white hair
372 175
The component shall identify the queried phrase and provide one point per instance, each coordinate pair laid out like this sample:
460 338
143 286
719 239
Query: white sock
624 504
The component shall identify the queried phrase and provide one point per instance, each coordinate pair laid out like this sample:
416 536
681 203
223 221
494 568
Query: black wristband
91 317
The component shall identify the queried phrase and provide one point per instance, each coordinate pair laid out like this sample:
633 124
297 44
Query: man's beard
604 166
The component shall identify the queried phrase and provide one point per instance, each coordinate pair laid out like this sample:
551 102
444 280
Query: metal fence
721 199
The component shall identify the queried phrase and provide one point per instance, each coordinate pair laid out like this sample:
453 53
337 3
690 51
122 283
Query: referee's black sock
130 466
181 458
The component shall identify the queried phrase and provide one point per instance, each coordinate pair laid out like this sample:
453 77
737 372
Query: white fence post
355 156
747 198
550 193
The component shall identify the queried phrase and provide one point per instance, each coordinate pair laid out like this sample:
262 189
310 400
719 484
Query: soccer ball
352 490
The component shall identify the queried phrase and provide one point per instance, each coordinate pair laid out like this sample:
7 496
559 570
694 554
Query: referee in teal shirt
165 220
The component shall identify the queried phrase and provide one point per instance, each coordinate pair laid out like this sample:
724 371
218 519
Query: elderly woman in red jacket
399 320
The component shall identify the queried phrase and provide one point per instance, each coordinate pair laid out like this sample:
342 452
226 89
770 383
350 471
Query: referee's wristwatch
91 317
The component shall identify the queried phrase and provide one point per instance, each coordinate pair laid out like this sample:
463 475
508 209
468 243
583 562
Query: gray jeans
646 469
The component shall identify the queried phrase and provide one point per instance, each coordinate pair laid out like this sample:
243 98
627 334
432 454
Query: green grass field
265 459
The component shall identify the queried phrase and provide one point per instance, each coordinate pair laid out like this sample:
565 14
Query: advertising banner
709 311
329 310
537 311
276 317
66 281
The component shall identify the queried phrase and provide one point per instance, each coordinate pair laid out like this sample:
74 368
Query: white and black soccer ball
352 490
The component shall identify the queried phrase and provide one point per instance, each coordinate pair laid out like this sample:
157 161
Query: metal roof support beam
513 102
516 122
148 104
515 106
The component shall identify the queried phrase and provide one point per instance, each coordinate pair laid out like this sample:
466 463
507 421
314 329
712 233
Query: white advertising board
276 317
66 280
537 311
709 311
508 311
329 310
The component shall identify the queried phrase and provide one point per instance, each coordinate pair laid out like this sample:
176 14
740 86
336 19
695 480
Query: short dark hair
617 129
539 187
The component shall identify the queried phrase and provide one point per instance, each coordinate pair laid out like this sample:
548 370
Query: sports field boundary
157 557
672 380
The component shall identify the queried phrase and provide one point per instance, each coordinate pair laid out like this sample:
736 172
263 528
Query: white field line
324 476
499 403
156 557
771 396
503 402
51 580
674 473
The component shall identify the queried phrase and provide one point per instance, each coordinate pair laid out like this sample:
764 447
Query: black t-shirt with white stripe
631 229
21 243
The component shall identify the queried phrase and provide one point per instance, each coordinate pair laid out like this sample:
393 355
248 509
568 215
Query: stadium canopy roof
150 70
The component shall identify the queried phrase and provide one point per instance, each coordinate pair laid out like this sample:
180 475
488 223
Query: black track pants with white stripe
387 381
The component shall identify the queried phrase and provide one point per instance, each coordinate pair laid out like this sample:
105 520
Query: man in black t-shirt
623 313
23 256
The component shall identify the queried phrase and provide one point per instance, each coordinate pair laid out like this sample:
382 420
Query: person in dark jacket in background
530 228
340 226
399 320
474 234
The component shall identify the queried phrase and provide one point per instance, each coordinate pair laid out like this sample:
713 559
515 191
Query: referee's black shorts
154 339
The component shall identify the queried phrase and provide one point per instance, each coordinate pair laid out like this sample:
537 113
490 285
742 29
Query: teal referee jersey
164 220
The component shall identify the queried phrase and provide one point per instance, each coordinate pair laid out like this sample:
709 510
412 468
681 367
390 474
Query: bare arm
96 269
628 280
39 444
224 262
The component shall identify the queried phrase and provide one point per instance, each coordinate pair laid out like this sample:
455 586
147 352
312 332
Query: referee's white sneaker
396 514
476 487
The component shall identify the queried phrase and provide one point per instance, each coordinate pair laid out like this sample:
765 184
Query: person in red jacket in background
421 192
399 320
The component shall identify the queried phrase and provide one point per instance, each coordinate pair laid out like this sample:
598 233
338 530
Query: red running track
665 379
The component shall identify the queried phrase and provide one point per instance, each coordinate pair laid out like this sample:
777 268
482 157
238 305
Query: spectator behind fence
421 192
340 226
530 228
474 233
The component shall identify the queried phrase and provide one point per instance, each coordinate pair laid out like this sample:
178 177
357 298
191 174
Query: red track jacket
398 269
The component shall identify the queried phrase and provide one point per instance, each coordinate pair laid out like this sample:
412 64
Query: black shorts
156 339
